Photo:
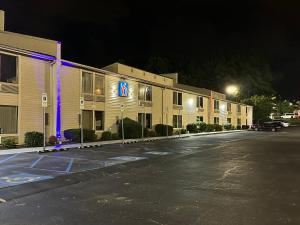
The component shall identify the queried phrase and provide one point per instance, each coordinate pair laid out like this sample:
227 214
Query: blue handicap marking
156 153
128 158
21 178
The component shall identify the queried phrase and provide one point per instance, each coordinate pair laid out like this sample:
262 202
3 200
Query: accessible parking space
17 169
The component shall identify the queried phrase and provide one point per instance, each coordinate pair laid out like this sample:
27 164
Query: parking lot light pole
81 121
122 124
44 105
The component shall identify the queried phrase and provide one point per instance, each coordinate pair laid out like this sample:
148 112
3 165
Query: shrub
74 135
106 136
238 127
52 140
132 129
245 127
151 133
192 128
161 130
202 127
218 127
34 139
9 143
115 136
182 131
209 128
228 127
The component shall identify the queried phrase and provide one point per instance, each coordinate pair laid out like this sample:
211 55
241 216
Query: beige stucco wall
32 84
70 96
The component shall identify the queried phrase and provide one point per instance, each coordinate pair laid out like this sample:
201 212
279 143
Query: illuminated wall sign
123 89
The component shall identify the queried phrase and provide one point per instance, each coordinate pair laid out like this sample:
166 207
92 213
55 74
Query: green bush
9 143
161 130
52 140
132 129
106 136
218 127
146 132
34 139
192 128
202 127
294 121
210 128
238 127
228 127
182 131
74 135
115 136
151 133
245 127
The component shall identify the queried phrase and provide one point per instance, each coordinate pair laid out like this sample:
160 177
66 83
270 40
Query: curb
40 150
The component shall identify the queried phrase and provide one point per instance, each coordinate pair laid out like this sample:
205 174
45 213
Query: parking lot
21 168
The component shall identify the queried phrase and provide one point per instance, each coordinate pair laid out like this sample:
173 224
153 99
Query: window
87 119
177 98
99 120
228 120
177 121
228 107
239 108
199 119
8 69
216 104
216 120
87 83
9 119
99 85
147 118
145 92
200 102
239 122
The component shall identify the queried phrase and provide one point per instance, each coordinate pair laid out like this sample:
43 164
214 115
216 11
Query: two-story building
31 66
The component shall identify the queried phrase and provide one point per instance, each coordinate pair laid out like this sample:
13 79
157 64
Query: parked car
282 122
288 116
272 126
256 127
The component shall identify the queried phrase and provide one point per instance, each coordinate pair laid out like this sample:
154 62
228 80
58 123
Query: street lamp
232 90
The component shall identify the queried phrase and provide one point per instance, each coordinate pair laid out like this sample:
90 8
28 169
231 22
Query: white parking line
8 158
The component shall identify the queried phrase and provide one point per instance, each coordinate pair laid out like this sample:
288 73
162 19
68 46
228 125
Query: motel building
31 66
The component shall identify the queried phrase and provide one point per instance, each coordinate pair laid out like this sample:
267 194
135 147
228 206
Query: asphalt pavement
236 178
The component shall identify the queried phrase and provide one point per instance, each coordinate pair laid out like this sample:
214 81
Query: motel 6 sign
123 89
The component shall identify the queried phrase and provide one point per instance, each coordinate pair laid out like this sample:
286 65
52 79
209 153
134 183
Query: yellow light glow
232 90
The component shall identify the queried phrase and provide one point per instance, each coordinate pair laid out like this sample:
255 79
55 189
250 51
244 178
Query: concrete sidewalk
100 143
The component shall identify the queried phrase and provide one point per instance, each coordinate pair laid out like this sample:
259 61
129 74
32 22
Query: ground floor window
199 119
239 122
228 120
147 118
177 121
9 119
99 120
87 120
216 120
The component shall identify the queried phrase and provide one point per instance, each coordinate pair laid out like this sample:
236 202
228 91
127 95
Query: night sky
98 33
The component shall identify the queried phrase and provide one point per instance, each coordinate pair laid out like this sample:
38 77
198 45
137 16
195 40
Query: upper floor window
228 107
200 102
238 108
177 98
8 69
145 92
99 85
87 82
216 104
92 83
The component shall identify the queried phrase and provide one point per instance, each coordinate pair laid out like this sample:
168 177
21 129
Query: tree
262 107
